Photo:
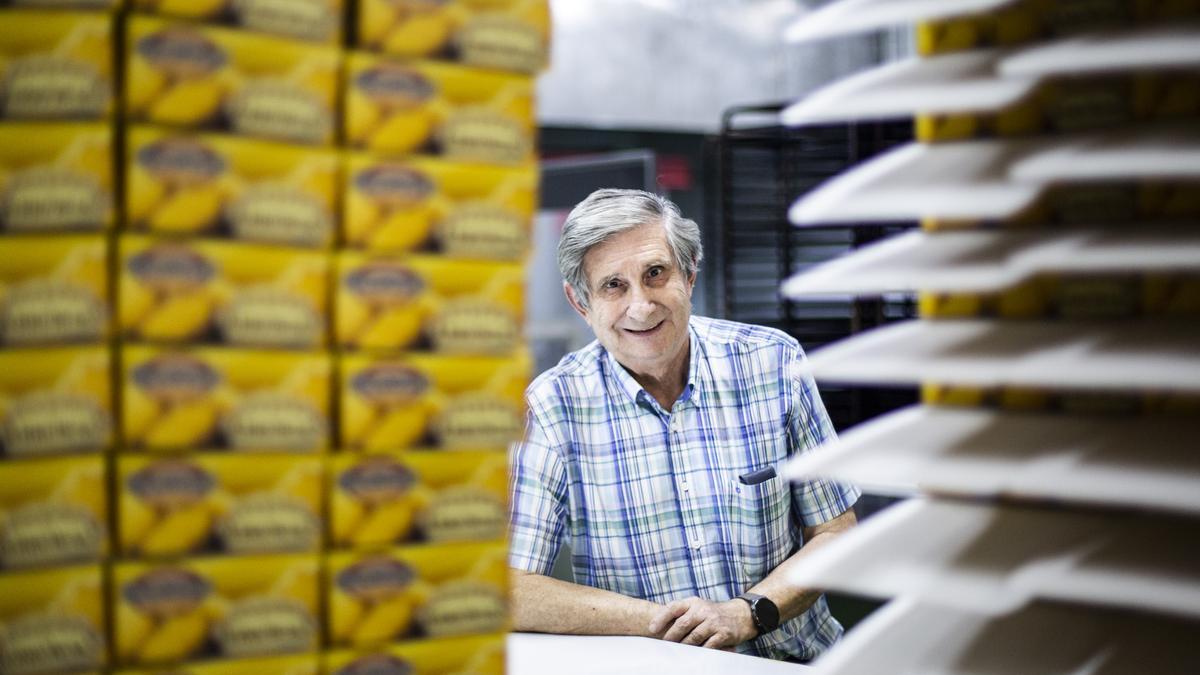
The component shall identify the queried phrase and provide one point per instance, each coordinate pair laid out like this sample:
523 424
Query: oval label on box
166 591
377 480
175 376
171 266
41 199
182 160
393 185
394 84
384 282
375 578
376 664
181 52
171 483
389 383
50 534
43 423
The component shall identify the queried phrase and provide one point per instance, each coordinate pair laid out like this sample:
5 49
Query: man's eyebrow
604 280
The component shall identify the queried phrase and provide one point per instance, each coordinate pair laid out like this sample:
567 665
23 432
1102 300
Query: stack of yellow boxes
223 268
254 404
440 188
56 414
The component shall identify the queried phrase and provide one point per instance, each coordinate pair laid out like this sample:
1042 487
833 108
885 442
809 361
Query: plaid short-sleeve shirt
649 499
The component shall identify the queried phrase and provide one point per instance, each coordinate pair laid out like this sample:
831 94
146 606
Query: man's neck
667 384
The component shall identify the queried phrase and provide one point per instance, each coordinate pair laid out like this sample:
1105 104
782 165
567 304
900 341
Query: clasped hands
703 623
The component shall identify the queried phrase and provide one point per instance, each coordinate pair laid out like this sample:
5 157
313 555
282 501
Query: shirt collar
638 394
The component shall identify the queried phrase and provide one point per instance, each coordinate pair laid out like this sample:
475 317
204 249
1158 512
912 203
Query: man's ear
575 304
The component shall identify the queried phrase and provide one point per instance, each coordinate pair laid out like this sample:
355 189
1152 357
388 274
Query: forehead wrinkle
642 256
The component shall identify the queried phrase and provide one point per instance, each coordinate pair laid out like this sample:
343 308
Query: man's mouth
648 331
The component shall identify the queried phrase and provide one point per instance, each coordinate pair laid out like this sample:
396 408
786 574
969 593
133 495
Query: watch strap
753 599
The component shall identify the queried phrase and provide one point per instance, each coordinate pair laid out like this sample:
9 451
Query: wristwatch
763 611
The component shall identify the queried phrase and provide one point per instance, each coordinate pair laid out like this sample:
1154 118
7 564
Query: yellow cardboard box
52 621
53 290
477 655
56 65
1026 21
396 107
53 511
222 292
55 177
202 608
420 400
1076 105
399 497
314 20
436 591
187 75
1075 296
55 401
393 302
457 209
226 186
504 34
238 504
245 400
302 664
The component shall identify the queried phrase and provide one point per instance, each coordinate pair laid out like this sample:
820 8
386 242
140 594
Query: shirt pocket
759 523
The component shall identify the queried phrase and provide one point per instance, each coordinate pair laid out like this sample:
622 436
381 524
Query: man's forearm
541 604
791 599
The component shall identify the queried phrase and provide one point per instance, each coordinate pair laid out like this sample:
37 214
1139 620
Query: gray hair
609 212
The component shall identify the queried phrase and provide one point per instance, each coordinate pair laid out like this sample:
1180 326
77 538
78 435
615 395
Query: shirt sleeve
538 482
816 501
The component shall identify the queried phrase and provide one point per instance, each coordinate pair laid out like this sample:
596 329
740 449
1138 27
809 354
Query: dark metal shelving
762 167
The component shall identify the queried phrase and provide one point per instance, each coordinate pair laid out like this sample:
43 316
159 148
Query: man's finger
718 640
699 635
682 627
666 616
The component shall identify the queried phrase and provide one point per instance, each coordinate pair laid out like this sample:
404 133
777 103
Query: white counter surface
540 654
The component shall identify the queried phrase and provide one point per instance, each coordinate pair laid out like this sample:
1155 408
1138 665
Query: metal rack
762 167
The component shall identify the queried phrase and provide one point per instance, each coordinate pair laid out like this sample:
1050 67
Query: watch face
766 615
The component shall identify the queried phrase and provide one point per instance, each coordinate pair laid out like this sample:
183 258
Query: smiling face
640 302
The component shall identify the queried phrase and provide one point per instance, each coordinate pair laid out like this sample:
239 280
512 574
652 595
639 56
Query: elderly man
651 451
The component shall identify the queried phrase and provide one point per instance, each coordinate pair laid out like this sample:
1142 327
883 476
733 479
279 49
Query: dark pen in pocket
757 476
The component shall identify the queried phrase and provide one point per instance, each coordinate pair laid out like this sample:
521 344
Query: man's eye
612 284
655 271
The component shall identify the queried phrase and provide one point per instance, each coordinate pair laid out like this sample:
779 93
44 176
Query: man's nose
641 306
